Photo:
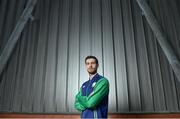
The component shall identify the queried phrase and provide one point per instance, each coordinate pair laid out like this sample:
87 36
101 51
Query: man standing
92 99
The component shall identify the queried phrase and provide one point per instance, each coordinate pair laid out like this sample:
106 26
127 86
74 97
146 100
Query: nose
90 65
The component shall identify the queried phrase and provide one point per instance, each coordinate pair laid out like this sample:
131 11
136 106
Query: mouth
90 69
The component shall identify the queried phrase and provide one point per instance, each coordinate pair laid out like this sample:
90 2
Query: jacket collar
92 76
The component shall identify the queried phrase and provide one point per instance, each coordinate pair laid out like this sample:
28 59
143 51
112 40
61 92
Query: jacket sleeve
77 105
101 89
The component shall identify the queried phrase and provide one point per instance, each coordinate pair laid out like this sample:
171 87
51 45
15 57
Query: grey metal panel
28 86
173 29
120 58
9 87
108 53
142 59
62 56
15 59
2 16
10 80
39 75
47 67
8 23
173 24
131 58
73 55
155 71
85 38
97 33
27 77
170 92
2 92
16 84
16 104
50 80
173 104
6 26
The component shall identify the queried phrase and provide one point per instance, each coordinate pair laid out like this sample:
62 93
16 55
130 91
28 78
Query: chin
92 72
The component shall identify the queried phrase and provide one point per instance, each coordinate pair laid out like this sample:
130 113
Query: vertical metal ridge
33 69
136 57
80 32
125 52
134 76
15 78
56 56
3 10
159 56
168 23
3 25
114 54
142 59
47 2
90 26
69 26
23 74
102 37
13 65
148 60
35 36
38 77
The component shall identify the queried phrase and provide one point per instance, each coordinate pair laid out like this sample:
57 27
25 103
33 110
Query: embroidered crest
93 84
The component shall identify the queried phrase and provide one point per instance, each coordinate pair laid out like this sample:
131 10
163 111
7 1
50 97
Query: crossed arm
101 89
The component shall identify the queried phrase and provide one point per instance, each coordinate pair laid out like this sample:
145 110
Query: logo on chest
93 84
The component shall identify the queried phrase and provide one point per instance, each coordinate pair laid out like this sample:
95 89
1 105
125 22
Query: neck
92 74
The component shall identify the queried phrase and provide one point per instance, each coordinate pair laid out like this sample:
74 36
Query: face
91 66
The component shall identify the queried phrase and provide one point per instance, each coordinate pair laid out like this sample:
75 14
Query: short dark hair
90 56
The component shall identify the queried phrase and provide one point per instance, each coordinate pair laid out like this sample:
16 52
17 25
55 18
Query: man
92 99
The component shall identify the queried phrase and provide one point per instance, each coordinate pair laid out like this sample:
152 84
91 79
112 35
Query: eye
93 63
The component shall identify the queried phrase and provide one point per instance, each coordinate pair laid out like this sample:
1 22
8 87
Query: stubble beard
93 72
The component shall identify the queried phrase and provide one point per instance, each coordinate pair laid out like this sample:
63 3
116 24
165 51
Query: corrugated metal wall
47 67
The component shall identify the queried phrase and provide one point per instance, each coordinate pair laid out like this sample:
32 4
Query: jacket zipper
94 111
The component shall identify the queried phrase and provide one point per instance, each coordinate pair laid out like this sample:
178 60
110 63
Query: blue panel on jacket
102 108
